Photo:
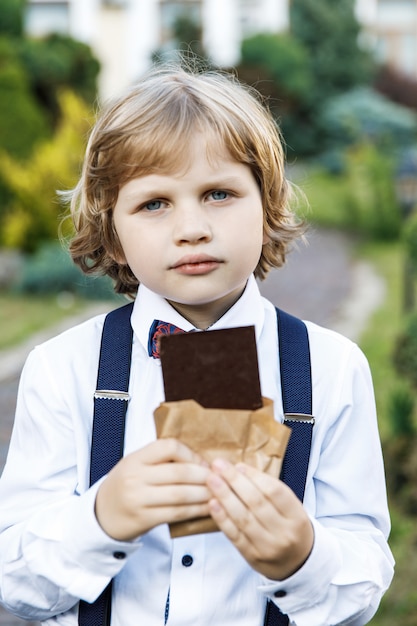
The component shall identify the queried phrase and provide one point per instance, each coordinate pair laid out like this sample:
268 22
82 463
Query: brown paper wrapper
252 437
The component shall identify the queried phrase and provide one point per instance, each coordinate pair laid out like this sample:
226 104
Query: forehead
172 154
202 164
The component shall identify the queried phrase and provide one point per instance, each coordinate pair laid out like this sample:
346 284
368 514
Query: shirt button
280 593
187 560
119 555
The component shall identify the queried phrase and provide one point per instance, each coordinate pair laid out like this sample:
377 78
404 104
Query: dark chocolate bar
216 368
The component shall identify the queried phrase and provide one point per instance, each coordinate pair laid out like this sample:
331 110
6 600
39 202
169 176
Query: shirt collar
247 311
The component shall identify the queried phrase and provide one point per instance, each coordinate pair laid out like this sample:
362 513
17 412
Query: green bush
282 60
277 66
23 122
329 32
372 208
405 351
399 449
33 212
410 240
401 408
363 113
359 196
59 62
401 462
51 271
11 23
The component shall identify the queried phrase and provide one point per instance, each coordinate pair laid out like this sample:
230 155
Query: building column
83 16
142 35
274 16
221 31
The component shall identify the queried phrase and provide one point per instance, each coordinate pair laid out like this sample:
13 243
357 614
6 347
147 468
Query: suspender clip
299 417
111 394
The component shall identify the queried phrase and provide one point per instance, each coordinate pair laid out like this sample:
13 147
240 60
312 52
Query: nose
191 225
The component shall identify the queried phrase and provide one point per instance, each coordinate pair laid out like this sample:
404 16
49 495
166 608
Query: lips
194 265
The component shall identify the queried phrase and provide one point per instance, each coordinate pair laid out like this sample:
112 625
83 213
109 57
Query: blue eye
154 205
219 194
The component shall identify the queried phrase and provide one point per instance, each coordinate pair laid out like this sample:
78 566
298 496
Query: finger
166 450
258 514
179 513
244 500
173 495
278 493
175 473
227 509
225 522
279 508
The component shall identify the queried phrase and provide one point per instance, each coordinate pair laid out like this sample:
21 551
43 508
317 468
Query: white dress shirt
53 552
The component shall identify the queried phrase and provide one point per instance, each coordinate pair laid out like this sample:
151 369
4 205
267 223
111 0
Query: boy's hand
163 482
262 517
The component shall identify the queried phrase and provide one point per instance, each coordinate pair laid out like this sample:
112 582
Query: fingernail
220 464
215 506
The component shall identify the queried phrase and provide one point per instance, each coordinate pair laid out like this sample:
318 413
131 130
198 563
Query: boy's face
193 236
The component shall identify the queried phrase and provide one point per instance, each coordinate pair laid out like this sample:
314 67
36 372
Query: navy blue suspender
297 401
110 405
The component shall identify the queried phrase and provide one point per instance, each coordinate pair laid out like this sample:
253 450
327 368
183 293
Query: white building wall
124 33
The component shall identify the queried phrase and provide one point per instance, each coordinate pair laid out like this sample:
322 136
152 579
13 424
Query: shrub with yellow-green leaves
34 211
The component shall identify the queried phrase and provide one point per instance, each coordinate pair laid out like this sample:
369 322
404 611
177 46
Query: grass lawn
22 315
378 340
399 605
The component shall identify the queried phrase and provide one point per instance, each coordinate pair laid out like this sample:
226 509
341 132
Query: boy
182 201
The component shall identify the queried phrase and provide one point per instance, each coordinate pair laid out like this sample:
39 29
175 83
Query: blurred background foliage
32 212
346 134
48 92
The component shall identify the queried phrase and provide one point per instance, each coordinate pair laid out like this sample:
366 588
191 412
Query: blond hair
147 130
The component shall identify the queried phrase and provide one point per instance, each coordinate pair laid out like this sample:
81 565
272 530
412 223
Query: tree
11 23
277 65
186 40
50 63
329 33
32 214
22 121
282 60
33 74
56 62
188 35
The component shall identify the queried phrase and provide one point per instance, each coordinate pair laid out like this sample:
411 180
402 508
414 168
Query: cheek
112 243
122 243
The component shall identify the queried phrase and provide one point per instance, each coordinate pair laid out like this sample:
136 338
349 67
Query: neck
205 315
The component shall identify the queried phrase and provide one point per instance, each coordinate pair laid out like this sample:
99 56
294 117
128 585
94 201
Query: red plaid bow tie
156 331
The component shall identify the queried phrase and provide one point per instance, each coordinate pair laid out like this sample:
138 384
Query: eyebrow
225 181
153 189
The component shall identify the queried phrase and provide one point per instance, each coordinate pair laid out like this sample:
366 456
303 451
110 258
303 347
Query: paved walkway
321 282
